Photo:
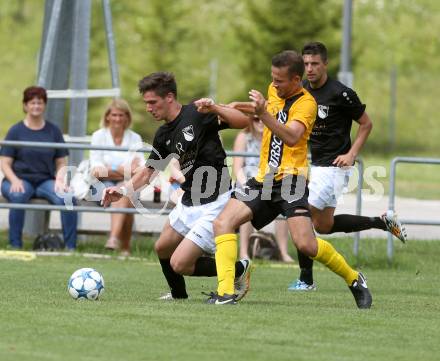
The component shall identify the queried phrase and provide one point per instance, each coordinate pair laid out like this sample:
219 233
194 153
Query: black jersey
338 106
193 139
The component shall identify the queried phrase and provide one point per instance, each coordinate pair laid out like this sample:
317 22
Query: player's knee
219 225
321 226
180 267
305 248
160 249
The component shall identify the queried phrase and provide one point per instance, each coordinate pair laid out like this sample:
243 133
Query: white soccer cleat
299 285
167 297
242 283
394 226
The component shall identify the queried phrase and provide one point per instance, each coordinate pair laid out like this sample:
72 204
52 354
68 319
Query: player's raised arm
233 117
289 134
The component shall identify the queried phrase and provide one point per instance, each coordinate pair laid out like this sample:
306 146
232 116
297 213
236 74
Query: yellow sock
334 261
225 258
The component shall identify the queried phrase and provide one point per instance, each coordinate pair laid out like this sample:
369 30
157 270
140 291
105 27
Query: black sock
351 223
205 266
306 268
175 281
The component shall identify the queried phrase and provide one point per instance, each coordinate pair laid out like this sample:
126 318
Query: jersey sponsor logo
323 111
275 152
282 117
276 144
179 148
188 133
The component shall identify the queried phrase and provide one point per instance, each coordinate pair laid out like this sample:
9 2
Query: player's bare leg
233 215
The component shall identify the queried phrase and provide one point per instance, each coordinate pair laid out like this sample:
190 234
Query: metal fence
85 208
392 196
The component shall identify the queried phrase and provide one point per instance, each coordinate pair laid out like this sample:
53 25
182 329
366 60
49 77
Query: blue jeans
46 190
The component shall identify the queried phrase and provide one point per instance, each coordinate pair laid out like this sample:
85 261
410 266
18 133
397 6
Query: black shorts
267 200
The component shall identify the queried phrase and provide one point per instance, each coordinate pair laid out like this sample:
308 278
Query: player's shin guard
328 256
225 257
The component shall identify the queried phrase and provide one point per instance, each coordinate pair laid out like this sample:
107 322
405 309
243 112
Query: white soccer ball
86 283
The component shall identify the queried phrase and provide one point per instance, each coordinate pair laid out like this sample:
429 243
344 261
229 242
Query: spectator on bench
109 167
35 172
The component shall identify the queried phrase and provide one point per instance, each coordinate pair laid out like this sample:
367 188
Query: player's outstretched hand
109 195
258 101
205 105
247 108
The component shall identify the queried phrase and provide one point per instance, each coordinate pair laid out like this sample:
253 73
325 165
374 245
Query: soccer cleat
242 283
394 226
360 292
215 299
299 285
167 297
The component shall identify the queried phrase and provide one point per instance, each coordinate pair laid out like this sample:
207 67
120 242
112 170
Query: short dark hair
292 60
34 92
315 48
161 83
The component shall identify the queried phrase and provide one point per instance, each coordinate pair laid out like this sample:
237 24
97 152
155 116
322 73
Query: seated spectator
249 141
109 167
35 172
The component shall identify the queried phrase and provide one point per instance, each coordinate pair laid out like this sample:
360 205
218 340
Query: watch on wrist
124 191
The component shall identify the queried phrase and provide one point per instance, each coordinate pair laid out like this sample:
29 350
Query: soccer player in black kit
193 139
333 155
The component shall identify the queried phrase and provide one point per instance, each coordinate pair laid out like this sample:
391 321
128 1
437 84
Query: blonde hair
120 104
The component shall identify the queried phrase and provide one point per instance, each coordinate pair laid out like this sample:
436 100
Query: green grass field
413 180
39 320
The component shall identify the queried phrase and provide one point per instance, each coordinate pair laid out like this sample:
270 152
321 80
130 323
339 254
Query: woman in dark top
35 172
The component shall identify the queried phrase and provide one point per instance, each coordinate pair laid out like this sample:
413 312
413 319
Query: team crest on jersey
323 111
188 133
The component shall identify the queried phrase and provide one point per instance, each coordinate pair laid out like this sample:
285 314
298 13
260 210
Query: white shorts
326 185
195 222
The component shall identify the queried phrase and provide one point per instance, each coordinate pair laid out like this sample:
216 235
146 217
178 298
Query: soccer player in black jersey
193 139
333 156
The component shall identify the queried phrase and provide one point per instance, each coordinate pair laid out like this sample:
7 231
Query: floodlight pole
79 74
345 74
63 71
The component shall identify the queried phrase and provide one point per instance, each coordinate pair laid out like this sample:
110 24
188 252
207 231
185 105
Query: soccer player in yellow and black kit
280 187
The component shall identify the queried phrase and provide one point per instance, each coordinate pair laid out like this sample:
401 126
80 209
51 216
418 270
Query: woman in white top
249 141
109 166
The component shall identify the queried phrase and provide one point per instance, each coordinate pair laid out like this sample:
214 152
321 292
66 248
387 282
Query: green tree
276 25
402 35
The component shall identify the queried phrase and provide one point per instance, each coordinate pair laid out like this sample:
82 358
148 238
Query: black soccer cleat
361 293
215 299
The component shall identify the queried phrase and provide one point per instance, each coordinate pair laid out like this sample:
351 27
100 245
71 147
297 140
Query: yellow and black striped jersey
276 157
